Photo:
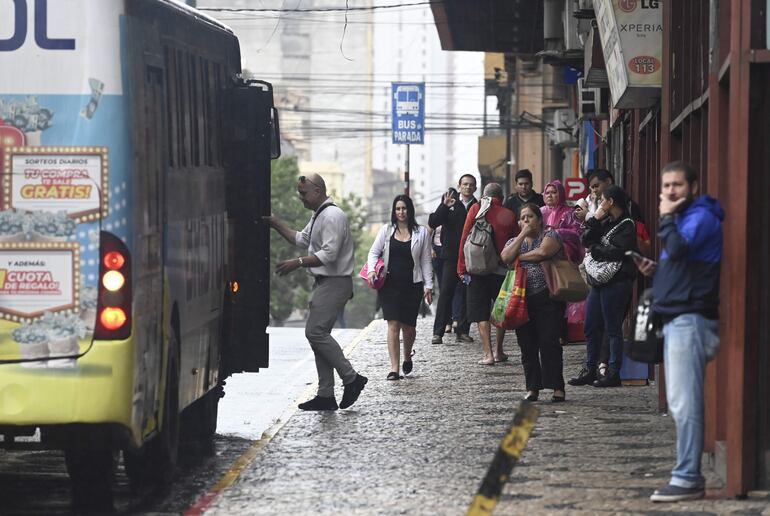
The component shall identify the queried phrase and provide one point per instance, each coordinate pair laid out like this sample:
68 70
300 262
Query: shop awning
490 25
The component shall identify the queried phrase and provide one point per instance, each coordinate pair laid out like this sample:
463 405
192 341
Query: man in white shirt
598 180
330 260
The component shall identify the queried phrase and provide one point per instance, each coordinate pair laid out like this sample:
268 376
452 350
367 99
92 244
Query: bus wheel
156 461
199 420
91 474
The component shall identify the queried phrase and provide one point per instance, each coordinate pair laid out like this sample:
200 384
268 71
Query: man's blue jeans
691 340
605 310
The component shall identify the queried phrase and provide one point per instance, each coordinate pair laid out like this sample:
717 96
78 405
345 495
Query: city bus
134 160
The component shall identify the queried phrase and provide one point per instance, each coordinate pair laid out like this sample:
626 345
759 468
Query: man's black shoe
352 390
611 379
319 403
586 376
677 494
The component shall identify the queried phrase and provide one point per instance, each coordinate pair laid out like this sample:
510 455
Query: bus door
147 90
251 141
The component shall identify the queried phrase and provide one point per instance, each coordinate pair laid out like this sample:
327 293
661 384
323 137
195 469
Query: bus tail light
113 281
113 260
112 318
113 321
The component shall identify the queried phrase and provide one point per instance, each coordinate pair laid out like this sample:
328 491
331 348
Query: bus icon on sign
407 98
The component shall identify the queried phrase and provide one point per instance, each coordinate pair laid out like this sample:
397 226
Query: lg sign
21 28
576 187
629 5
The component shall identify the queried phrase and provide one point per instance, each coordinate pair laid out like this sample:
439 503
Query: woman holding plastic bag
539 339
405 249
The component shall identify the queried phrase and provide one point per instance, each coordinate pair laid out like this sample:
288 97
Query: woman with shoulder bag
610 272
565 220
405 248
539 339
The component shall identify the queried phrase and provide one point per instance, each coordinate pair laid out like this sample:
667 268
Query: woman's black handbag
647 343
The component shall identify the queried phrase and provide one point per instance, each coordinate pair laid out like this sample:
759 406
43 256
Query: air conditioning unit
589 100
564 121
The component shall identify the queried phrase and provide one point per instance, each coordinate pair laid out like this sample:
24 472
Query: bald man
330 260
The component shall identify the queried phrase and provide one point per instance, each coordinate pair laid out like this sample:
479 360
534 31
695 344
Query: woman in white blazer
405 248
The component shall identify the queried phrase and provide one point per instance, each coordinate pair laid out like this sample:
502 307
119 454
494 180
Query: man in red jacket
483 289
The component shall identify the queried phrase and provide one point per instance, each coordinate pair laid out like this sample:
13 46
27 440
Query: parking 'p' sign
576 187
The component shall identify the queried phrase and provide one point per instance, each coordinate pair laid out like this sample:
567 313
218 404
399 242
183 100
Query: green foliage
360 310
284 290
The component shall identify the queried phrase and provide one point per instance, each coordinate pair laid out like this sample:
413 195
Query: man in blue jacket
686 294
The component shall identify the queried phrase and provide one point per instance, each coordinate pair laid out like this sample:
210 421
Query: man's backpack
480 253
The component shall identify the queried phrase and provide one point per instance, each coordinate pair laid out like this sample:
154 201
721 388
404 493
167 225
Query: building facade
407 49
323 82
695 89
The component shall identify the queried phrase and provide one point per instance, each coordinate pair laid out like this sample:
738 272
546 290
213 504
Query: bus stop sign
408 112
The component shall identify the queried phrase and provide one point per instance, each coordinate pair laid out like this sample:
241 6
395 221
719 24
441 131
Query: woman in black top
608 235
405 248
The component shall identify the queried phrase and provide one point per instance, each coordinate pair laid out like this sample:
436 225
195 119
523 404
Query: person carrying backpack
488 227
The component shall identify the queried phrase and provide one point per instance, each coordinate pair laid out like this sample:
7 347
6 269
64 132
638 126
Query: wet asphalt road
36 482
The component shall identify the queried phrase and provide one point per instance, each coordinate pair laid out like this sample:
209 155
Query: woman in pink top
561 217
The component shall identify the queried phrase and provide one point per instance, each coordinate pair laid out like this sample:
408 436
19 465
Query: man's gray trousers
330 293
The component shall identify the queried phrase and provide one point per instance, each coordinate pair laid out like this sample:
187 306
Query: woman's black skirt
401 301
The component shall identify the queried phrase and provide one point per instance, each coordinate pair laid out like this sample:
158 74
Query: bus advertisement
134 161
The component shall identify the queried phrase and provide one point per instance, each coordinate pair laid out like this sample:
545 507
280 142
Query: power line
316 21
336 74
317 9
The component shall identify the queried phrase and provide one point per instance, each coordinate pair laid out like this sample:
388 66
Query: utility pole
406 172
508 127
516 109
485 110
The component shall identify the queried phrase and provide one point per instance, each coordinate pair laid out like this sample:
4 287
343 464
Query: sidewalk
423 444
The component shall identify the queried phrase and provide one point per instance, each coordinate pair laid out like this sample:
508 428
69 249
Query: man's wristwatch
301 263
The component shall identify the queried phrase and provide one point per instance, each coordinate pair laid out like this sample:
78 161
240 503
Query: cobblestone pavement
423 444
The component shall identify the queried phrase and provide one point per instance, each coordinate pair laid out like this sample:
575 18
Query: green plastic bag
510 309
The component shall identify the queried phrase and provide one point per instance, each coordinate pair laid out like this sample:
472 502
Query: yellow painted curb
505 459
